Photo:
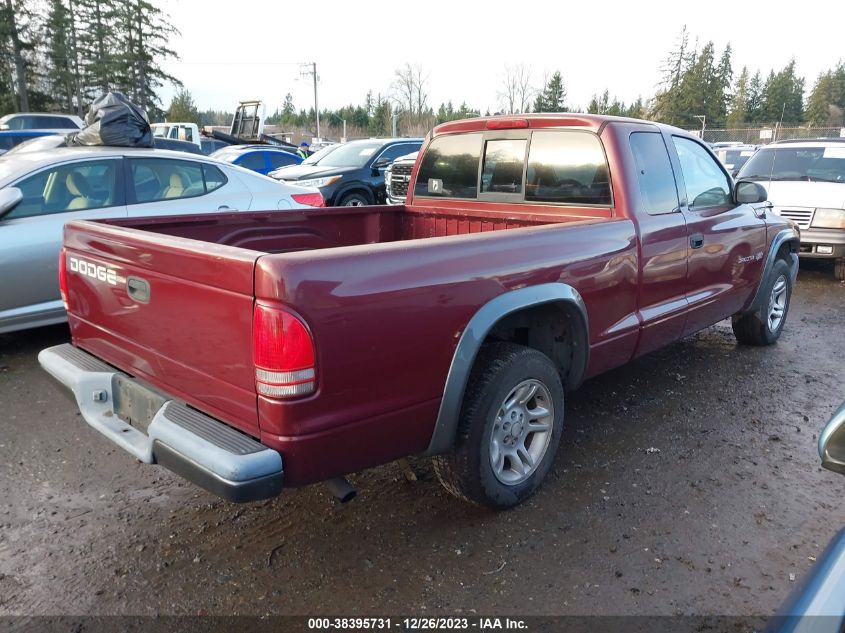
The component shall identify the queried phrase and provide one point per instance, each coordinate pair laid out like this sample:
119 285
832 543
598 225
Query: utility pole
305 71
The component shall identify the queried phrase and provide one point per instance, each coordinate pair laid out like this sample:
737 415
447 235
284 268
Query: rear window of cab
546 166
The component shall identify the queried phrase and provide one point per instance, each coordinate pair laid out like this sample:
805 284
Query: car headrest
177 180
77 185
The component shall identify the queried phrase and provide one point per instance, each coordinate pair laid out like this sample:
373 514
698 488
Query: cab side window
71 187
706 183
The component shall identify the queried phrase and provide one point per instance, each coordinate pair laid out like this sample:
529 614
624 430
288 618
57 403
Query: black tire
755 328
839 268
354 199
466 471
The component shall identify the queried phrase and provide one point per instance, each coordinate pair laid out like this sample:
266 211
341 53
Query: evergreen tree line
696 84
698 88
60 55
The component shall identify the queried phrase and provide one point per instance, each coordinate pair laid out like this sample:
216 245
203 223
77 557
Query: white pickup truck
179 131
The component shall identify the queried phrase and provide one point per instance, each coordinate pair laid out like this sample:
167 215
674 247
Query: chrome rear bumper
199 448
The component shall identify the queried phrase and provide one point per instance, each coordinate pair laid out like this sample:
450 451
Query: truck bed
366 283
312 229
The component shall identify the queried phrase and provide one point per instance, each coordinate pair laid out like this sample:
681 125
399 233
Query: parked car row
352 174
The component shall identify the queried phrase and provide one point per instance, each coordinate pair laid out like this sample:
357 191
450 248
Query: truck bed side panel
386 322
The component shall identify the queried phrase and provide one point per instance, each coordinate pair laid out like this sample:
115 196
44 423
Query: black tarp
114 120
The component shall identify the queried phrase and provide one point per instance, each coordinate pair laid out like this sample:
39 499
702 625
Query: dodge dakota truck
251 351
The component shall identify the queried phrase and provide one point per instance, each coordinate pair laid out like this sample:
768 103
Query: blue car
13 138
260 158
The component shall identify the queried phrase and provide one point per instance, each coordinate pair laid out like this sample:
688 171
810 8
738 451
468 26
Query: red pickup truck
255 350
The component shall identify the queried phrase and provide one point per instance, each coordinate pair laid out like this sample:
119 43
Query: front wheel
764 325
510 428
353 200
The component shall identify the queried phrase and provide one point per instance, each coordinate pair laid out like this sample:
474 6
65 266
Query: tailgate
174 312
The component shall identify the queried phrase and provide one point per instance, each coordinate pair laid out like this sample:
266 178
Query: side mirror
9 199
748 192
381 163
832 443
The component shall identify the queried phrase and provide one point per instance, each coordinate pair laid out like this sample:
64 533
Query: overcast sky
232 51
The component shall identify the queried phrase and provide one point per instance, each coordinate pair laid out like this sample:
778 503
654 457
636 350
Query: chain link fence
762 136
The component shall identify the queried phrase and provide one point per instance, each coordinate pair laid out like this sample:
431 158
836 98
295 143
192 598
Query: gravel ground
687 483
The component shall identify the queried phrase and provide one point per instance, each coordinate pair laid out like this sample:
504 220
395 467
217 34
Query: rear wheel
764 325
839 268
510 428
354 200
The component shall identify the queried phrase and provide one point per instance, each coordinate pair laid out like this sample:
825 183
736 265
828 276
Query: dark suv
353 174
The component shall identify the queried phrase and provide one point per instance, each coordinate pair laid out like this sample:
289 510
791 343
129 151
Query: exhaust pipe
341 489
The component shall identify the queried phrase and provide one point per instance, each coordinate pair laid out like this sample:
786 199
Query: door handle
225 207
696 240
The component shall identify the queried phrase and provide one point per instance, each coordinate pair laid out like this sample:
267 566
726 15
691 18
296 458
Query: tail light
310 199
283 354
63 277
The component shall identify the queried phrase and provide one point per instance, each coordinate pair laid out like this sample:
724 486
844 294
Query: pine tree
61 56
754 103
738 108
783 96
182 108
97 42
827 99
16 21
636 110
719 89
288 110
146 32
551 98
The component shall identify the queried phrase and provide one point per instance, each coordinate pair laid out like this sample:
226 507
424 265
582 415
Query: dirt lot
687 483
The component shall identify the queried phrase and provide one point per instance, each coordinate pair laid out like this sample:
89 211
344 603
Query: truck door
663 243
727 241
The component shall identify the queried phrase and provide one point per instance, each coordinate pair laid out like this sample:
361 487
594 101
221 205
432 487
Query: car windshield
319 155
825 164
352 155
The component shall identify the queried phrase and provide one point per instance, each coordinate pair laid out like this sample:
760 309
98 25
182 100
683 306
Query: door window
155 179
395 151
567 167
654 172
280 159
706 183
69 187
214 178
